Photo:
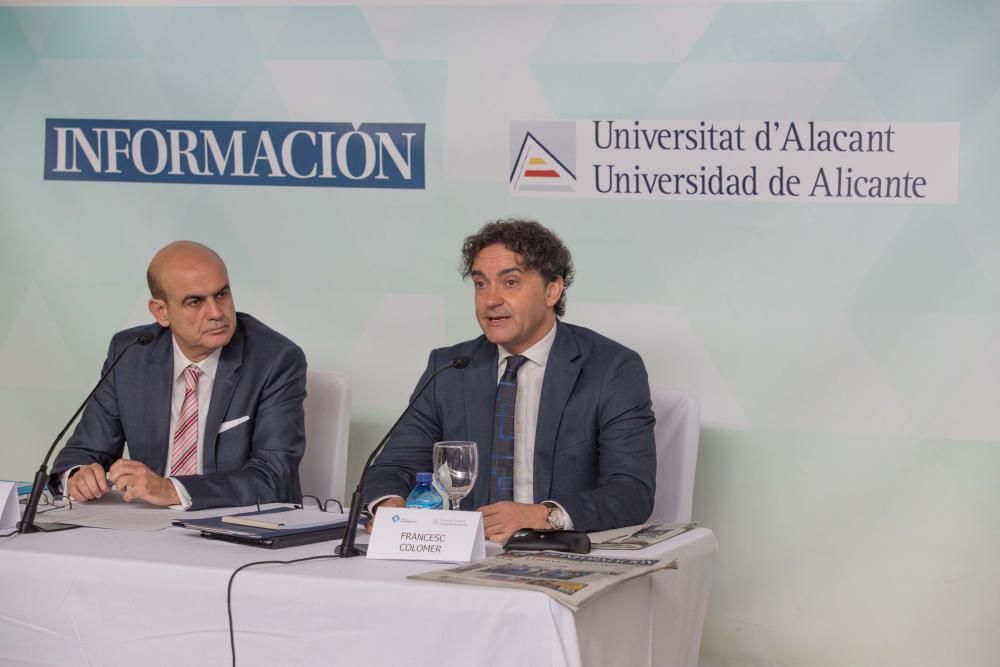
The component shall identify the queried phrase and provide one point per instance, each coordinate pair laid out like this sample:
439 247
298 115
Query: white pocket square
225 426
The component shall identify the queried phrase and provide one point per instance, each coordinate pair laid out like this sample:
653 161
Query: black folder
270 538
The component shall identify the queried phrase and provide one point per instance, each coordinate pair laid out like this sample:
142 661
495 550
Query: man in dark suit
211 409
562 415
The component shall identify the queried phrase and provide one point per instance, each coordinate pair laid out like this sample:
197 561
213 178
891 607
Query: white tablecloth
99 597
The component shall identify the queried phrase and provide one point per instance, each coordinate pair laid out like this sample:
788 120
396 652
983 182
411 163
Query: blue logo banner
345 155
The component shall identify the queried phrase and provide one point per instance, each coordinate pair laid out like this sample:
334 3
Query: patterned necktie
502 463
184 453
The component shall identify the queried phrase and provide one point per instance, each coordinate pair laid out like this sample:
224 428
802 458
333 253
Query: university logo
352 155
543 156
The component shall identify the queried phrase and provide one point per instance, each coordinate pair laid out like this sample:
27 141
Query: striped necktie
184 453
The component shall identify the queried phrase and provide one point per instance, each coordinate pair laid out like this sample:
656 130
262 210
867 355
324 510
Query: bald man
211 409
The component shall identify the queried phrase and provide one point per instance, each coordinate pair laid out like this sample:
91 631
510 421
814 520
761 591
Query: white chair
323 469
678 423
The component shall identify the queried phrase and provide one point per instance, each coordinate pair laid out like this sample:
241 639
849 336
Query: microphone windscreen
144 338
460 361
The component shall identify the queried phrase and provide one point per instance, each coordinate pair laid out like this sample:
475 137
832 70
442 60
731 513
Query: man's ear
553 292
158 309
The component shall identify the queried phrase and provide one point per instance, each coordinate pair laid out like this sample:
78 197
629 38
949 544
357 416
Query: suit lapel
159 382
480 393
561 372
227 377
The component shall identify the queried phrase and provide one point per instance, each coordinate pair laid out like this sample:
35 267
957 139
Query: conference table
89 596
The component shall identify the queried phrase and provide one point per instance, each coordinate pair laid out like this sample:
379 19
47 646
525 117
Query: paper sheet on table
113 512
639 536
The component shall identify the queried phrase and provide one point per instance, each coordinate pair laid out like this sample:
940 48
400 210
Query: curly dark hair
538 247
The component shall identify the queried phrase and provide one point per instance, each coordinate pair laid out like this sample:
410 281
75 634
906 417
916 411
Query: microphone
347 548
27 522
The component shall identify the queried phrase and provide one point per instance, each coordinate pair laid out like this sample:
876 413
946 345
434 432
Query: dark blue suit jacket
594 448
261 374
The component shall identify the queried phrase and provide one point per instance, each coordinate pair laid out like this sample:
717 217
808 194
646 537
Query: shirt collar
208 365
537 353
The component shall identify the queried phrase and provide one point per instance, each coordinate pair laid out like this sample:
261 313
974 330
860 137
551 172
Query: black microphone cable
229 590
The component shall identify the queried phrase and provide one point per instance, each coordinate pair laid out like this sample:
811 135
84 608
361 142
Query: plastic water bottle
424 495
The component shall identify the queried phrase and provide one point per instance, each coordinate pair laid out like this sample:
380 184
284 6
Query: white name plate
10 512
419 534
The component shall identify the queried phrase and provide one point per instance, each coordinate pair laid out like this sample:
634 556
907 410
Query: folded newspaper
571 579
639 537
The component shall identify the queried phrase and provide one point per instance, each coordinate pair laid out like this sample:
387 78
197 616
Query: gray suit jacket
594 449
261 374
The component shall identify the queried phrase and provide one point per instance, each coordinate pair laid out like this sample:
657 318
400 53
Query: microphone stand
27 523
347 548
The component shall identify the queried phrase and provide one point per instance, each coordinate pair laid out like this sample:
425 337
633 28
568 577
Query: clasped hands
500 520
133 479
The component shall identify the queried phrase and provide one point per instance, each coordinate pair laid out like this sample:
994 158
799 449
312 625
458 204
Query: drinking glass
456 464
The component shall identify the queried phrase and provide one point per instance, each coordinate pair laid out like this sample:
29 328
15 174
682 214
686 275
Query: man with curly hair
561 414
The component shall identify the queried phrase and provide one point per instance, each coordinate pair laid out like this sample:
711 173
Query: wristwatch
556 517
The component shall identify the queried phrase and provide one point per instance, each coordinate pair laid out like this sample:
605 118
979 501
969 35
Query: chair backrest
323 470
678 424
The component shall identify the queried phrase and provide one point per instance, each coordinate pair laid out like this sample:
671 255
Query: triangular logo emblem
537 169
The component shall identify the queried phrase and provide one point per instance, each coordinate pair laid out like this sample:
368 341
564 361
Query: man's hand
87 483
137 482
394 501
501 519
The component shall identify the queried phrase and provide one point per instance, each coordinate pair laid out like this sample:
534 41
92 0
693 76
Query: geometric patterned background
847 356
